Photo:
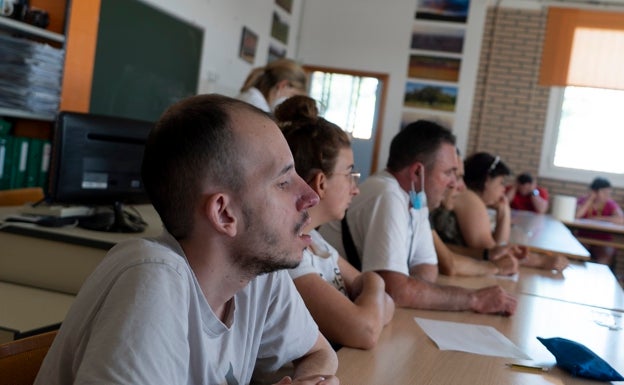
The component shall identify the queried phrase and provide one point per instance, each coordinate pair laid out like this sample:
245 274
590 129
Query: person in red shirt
526 195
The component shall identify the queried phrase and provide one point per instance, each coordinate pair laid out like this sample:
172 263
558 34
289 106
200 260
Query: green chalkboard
145 60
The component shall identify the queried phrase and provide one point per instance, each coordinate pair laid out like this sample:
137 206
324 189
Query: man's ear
319 184
219 210
415 170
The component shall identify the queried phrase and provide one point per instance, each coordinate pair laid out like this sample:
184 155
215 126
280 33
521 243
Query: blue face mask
419 199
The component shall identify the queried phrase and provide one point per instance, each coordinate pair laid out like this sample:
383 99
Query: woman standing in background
266 87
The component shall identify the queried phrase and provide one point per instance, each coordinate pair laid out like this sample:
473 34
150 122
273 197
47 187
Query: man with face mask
387 227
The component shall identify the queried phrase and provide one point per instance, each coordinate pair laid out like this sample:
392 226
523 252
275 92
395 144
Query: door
354 100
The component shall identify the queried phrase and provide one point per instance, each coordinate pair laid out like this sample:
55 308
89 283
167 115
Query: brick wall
509 108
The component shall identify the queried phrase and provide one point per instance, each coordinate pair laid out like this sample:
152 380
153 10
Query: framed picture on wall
248 45
279 28
430 96
445 10
286 5
433 67
437 38
276 52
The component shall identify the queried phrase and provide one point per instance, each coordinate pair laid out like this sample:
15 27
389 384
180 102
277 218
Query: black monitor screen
96 160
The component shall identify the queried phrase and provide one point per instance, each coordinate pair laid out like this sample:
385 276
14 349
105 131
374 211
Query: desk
40 273
405 355
598 226
545 234
60 258
583 283
25 309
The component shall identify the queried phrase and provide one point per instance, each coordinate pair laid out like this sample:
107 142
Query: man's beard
260 251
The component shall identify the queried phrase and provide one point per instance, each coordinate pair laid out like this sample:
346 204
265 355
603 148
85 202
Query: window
354 100
346 100
582 55
584 135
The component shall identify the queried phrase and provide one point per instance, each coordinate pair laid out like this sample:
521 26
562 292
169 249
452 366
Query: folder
33 162
19 159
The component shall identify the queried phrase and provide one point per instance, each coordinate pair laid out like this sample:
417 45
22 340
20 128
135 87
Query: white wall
222 70
374 35
367 35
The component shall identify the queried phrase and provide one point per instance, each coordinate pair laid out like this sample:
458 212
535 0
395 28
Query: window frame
547 167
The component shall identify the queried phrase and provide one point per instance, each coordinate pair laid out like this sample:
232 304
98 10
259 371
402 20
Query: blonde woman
266 87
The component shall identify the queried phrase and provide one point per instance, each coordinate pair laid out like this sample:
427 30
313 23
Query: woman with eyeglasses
484 176
350 307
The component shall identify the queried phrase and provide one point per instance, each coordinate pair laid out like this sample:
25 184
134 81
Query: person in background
387 230
484 177
266 87
209 301
526 195
502 260
599 205
351 308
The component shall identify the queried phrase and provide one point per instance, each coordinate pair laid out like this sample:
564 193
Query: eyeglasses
353 176
495 163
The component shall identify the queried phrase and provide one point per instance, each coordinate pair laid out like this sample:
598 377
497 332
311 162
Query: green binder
19 160
6 157
33 162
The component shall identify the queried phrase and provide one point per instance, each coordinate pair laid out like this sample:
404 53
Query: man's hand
506 264
493 300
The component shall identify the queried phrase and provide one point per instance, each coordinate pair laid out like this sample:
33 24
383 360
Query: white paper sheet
478 339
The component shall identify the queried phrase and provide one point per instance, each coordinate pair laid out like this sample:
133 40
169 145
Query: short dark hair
599 183
481 165
193 142
524 178
417 142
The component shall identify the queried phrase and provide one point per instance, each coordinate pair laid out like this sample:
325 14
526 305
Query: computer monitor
96 161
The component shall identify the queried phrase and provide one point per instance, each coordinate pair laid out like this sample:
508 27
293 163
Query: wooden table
579 304
583 283
26 309
598 226
545 234
58 258
405 354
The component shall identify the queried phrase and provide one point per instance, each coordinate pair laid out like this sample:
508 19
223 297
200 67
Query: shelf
14 25
14 113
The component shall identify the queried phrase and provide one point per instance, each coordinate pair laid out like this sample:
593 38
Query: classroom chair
21 359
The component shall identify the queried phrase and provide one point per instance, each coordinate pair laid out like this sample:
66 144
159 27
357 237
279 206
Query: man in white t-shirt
206 302
389 228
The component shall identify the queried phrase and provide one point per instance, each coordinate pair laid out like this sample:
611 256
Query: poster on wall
286 5
279 28
437 38
411 116
432 67
430 96
444 10
248 44
276 52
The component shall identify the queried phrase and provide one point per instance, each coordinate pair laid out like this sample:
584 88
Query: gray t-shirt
141 318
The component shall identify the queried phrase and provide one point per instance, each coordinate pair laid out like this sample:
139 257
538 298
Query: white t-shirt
254 97
141 318
320 258
388 234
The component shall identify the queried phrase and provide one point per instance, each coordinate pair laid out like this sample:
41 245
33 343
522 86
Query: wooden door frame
384 79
